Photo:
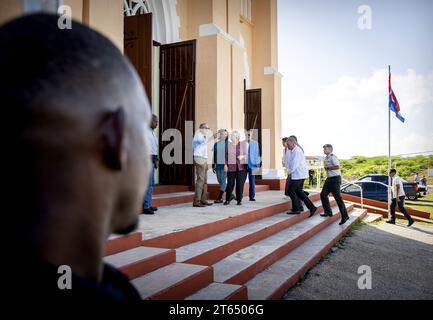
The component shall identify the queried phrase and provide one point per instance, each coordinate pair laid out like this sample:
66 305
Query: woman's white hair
235 134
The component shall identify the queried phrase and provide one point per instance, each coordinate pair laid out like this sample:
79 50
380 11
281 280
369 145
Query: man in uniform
332 185
398 196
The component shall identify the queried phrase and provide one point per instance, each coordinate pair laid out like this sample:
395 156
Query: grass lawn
423 204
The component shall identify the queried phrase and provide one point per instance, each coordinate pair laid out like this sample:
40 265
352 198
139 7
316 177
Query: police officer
332 184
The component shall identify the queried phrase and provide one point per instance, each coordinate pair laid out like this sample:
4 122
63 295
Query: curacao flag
393 102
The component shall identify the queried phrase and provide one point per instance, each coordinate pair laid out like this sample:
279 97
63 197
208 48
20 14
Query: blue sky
334 88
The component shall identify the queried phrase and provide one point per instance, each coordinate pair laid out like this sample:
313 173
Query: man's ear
112 131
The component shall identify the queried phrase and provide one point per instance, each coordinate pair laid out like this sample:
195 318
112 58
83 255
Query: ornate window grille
134 7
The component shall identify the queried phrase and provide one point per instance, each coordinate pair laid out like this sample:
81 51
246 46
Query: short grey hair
292 139
235 134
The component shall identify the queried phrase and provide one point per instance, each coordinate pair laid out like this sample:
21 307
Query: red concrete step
372 217
221 291
118 244
384 205
160 189
211 250
214 189
244 264
384 212
173 282
141 260
181 238
274 282
171 199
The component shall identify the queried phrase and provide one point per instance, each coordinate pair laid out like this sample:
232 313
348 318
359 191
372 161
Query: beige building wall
106 16
220 55
10 9
77 9
265 73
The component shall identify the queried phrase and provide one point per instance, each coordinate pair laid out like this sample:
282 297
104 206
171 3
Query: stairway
171 195
254 254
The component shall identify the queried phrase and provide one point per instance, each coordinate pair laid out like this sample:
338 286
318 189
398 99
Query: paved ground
184 216
401 260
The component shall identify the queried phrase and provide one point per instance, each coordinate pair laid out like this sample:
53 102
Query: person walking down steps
332 185
298 171
398 196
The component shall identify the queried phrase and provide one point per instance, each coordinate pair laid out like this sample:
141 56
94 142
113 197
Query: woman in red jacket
236 167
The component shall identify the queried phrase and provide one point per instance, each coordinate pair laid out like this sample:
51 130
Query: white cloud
352 114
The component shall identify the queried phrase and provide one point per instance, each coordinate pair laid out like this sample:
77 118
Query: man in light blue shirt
298 172
154 151
253 163
199 145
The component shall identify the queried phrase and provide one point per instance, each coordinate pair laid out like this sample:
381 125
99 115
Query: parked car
375 187
422 191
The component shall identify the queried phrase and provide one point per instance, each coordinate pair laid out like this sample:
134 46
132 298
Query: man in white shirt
298 173
398 196
154 151
286 157
199 144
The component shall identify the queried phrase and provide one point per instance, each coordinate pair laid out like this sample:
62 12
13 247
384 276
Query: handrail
360 188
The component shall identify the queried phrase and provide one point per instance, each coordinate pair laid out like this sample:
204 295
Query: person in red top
236 167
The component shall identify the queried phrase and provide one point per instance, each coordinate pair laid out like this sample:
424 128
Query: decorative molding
272 71
211 29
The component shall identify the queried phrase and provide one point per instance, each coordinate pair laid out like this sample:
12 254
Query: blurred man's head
327 149
154 122
392 172
76 112
249 134
284 140
292 142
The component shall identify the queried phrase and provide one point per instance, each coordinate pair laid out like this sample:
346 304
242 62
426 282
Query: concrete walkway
183 216
401 260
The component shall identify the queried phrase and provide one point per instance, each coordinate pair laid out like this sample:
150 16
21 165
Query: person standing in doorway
199 144
298 171
398 196
253 163
236 167
332 185
154 151
219 154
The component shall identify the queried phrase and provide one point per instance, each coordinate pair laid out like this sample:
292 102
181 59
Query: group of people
421 182
233 161
297 171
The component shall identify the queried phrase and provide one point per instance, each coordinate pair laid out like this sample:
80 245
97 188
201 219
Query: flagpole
389 147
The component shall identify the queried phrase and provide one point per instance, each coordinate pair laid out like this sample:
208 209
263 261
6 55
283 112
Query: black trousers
400 208
296 194
332 185
239 177
288 181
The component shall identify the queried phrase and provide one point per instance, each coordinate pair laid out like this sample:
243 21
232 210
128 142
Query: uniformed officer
332 184
398 196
